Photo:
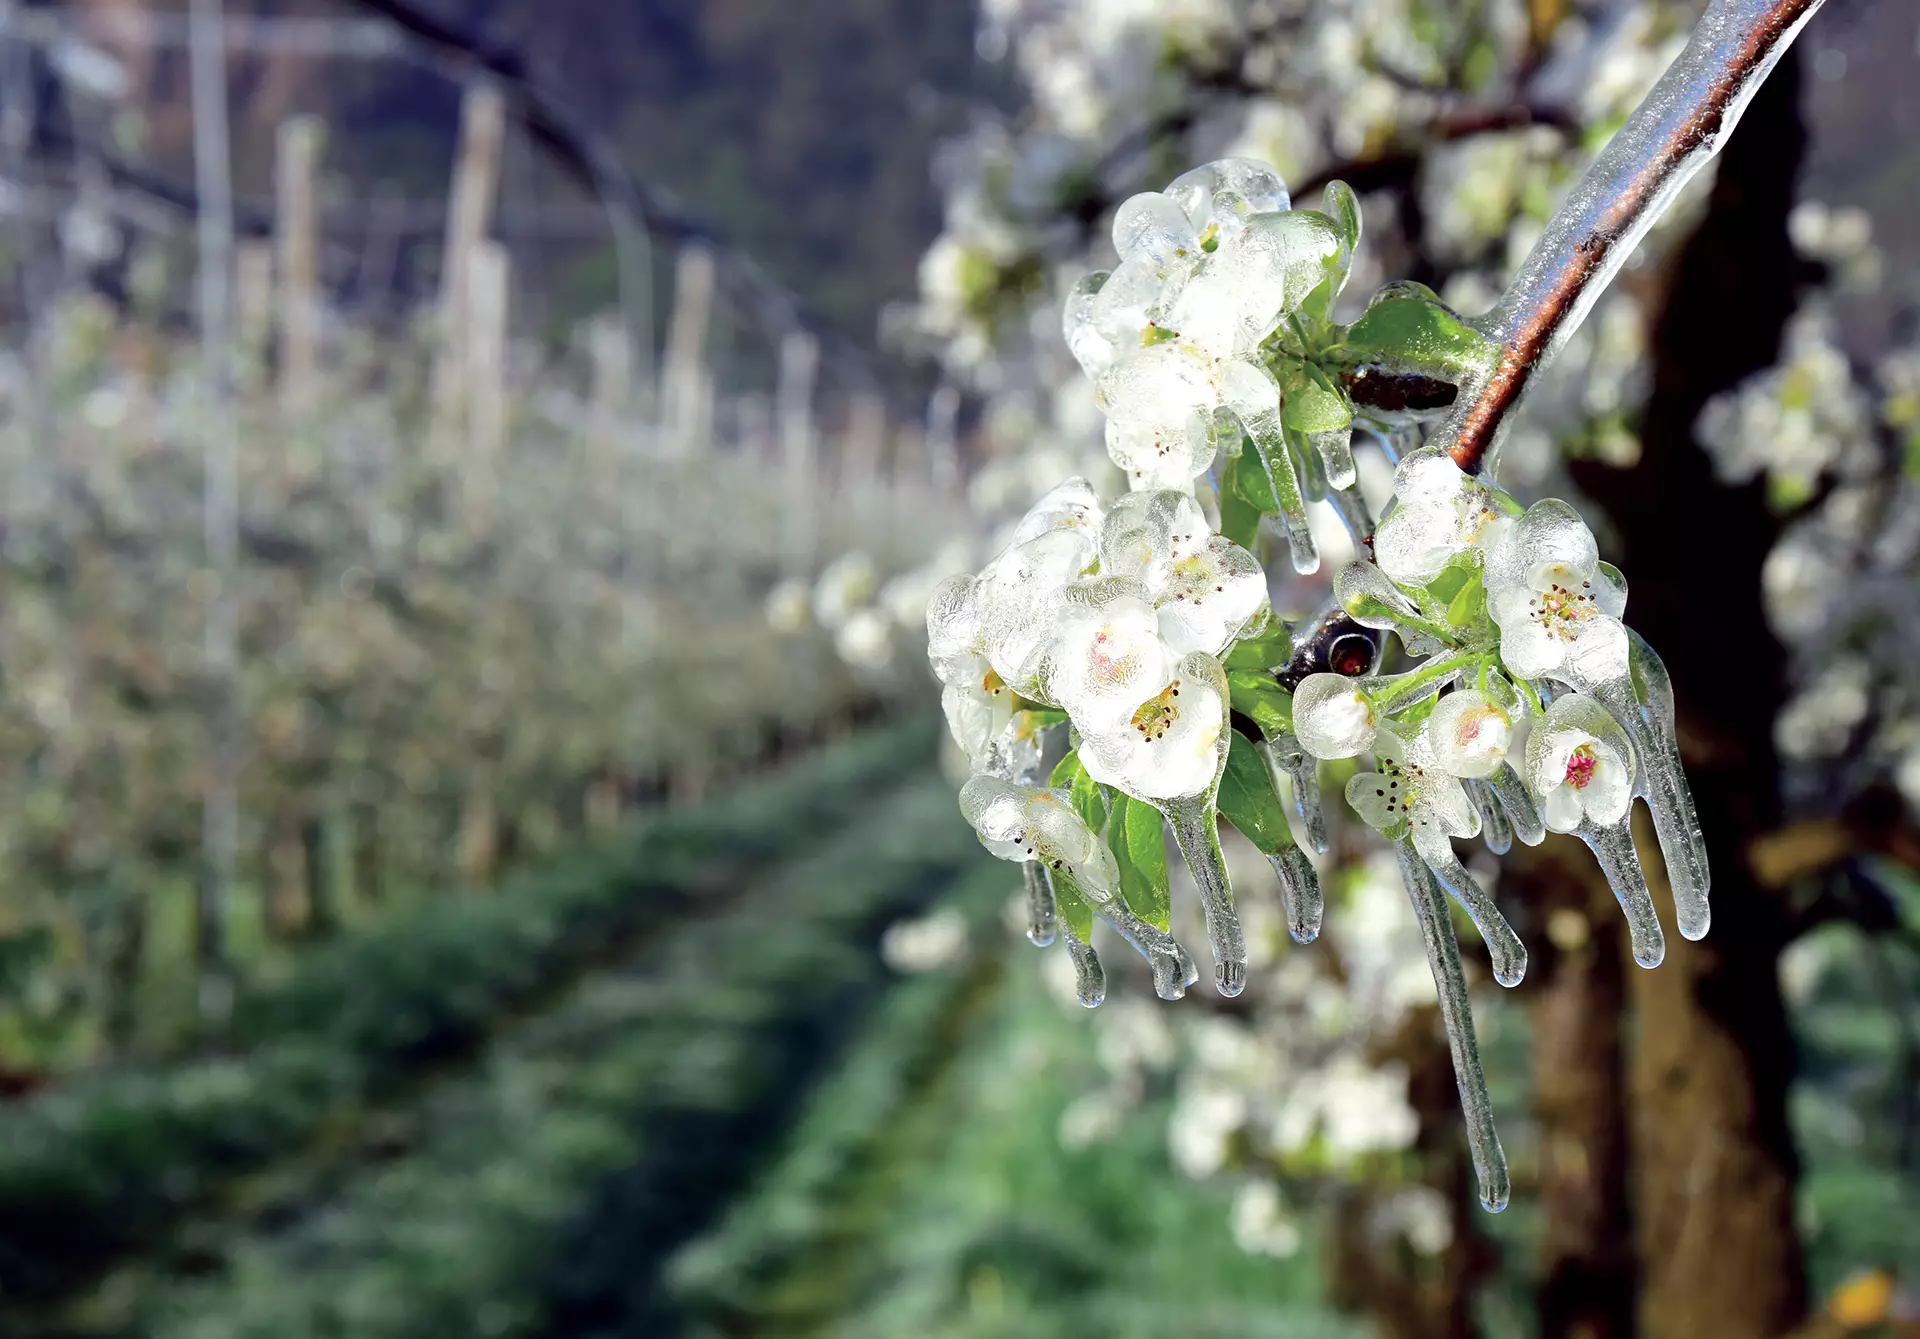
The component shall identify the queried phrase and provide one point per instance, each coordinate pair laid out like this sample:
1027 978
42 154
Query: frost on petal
1548 545
977 704
953 620
1152 226
1378 806
1106 656
1529 651
1069 504
1610 590
1090 347
1471 735
1332 717
996 810
1174 745
1021 593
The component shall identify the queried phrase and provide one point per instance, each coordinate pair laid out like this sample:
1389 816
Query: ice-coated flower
1174 744
1580 764
978 704
1022 823
1107 656
1021 594
1439 512
1203 586
1473 736
1408 794
1159 456
1069 505
1332 717
1557 604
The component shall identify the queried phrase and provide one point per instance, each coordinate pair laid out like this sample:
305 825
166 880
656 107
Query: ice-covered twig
1040 913
1681 124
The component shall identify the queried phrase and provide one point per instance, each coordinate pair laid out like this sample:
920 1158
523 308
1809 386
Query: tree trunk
1714 1167
1576 992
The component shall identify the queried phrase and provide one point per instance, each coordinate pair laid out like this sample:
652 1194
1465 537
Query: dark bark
1714 1166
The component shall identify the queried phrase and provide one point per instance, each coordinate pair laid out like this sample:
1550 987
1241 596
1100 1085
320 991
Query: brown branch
1681 124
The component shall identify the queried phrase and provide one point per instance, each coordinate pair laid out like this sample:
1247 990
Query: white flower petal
1332 717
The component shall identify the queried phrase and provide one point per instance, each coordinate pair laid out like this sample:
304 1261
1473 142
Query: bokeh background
477 847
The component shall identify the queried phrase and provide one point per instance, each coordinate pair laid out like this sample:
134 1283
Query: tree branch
1681 124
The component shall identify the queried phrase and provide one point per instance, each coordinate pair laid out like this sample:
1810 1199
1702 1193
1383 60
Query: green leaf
1263 646
1247 799
1139 843
1072 906
1255 695
1070 776
1312 406
1468 604
1245 494
1455 575
1408 330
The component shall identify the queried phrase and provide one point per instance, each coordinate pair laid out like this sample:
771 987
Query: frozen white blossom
1174 744
1580 764
1439 512
1032 823
1557 604
1333 717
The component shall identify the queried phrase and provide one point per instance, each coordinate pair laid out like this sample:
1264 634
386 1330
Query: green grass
109 1162
927 1194
477 1209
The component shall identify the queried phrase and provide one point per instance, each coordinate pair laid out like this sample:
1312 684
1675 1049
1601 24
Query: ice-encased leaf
1249 802
1301 769
1137 837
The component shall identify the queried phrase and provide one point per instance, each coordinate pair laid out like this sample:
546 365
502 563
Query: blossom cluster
1139 632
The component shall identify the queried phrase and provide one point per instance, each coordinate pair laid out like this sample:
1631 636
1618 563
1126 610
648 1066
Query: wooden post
296 210
476 179
684 398
253 308
486 375
799 364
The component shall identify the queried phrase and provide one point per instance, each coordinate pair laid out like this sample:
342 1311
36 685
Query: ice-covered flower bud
1439 512
1174 744
1203 586
1022 823
1106 656
1472 735
1332 717
1220 196
1557 604
1580 764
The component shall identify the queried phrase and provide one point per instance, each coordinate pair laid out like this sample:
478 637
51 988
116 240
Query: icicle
1301 771
1450 985
1089 977
1504 949
1264 428
1173 967
1196 829
1040 915
1517 803
1612 846
1495 830
1664 786
1299 892
1335 449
